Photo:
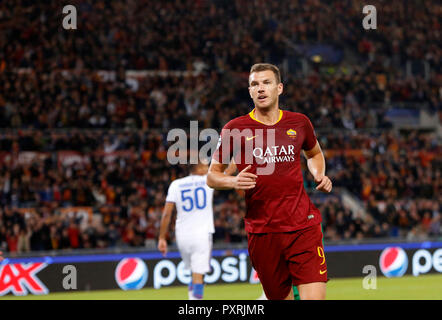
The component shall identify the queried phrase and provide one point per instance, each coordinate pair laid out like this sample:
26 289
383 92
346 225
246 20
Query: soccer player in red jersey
282 224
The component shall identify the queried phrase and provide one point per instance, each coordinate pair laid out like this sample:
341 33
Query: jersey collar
252 115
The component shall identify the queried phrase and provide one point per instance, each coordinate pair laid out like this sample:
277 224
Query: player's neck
268 116
197 173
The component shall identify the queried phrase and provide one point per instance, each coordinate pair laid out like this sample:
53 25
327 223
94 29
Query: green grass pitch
428 287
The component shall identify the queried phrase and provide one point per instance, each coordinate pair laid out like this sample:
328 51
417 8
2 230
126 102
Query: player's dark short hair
267 66
192 167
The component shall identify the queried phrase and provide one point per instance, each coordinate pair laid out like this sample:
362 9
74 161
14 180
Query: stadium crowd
210 34
166 36
80 131
397 180
61 100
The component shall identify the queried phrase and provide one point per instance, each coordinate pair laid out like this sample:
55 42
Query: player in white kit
194 226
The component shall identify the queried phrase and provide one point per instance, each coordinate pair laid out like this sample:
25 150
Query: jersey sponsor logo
275 154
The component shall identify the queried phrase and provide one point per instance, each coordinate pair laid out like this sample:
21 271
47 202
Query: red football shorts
288 258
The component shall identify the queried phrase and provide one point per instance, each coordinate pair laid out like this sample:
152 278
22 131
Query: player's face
264 89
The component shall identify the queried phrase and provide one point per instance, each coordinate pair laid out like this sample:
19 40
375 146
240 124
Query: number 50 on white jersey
193 200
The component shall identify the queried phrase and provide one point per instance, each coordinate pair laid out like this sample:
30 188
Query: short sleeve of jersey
172 193
224 149
310 136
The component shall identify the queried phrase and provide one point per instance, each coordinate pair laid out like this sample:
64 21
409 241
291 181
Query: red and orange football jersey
279 202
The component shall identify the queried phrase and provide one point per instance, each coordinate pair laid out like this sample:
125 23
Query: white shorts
196 251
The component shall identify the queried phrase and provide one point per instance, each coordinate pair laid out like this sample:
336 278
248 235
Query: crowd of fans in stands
221 40
396 176
351 101
210 34
55 97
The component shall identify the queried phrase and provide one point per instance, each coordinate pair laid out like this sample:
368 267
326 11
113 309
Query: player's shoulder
238 122
180 180
198 177
185 181
173 184
295 115
177 182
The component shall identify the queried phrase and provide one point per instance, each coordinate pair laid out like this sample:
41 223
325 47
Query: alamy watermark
246 146
370 20
70 280
70 20
370 280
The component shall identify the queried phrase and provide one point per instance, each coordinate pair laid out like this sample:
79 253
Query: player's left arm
164 226
316 166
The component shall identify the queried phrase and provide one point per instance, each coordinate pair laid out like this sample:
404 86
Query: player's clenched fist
245 180
324 183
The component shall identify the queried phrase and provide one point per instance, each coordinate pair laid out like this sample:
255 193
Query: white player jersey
193 199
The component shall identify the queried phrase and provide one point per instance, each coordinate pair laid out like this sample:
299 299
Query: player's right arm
218 179
231 169
164 226
220 175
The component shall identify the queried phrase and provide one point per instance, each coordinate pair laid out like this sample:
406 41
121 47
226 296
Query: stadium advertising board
118 271
133 271
392 260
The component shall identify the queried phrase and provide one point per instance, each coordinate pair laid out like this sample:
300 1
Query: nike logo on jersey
322 271
250 138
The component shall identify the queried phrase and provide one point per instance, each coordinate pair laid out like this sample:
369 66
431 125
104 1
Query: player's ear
280 88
